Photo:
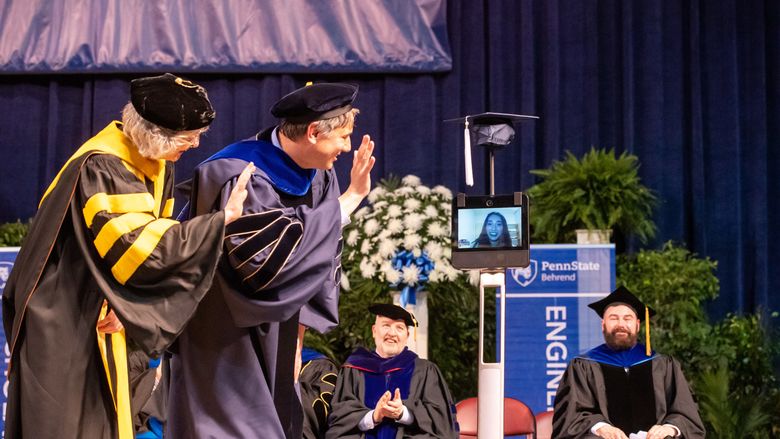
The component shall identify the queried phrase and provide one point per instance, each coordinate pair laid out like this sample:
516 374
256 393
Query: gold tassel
647 331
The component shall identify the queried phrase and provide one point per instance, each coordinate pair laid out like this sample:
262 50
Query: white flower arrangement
403 237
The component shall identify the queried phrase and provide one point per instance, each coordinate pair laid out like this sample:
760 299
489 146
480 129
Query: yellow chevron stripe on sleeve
119 203
117 227
143 246
168 209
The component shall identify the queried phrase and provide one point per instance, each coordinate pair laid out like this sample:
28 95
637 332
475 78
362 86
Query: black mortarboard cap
622 296
491 129
315 102
171 102
394 312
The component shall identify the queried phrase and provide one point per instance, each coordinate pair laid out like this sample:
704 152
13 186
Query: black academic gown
429 401
232 368
583 397
101 233
317 382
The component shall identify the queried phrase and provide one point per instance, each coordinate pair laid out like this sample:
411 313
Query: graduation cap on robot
491 130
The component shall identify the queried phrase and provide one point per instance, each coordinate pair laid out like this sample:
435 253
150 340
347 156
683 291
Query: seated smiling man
391 392
622 387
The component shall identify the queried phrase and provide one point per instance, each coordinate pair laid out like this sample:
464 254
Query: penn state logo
5 271
524 276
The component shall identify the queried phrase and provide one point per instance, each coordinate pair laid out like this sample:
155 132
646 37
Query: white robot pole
491 375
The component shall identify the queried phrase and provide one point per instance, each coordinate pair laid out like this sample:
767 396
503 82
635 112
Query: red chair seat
544 425
518 418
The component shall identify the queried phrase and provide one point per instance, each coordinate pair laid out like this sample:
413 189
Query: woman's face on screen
494 227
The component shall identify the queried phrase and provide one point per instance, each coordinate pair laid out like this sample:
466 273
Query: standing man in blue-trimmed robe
622 386
105 270
233 369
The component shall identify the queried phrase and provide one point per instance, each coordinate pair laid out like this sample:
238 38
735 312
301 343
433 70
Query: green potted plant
12 234
599 192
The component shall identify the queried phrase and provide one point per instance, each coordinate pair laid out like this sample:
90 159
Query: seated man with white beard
391 393
622 387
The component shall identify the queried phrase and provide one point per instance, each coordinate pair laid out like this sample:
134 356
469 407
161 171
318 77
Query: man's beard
619 344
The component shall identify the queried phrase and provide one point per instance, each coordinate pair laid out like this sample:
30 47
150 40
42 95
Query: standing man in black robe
233 369
105 270
391 393
622 387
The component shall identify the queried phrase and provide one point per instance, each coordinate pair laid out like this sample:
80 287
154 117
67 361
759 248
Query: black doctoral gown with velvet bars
626 389
232 367
425 395
102 232
317 381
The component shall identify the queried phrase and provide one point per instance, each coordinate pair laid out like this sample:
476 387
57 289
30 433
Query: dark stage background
691 87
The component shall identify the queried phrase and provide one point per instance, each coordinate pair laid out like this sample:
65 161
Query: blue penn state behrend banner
7 258
548 320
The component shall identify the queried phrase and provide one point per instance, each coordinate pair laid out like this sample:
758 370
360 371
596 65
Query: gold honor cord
120 395
647 331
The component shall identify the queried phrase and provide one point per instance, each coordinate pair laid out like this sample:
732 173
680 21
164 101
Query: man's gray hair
152 140
296 130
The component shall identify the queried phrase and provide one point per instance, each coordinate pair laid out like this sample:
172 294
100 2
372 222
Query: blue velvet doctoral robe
232 367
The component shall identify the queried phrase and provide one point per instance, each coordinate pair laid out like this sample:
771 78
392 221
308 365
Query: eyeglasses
182 141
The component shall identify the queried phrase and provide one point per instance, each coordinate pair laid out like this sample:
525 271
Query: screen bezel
486 257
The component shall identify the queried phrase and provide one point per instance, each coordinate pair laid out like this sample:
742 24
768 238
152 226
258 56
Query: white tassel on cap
467 152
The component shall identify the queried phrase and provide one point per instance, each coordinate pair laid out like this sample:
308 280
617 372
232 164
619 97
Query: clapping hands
389 406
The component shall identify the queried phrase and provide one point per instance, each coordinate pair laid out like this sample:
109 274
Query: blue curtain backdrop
218 36
691 87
